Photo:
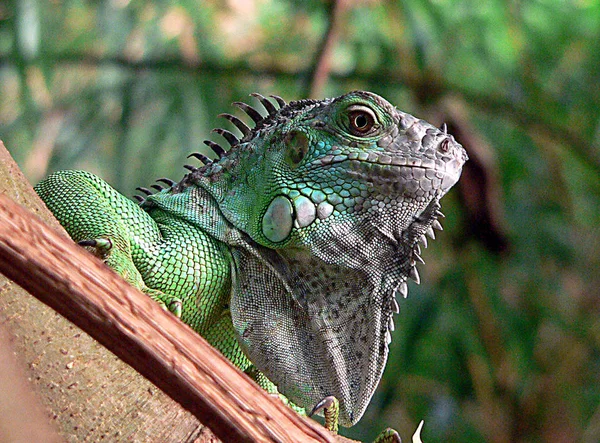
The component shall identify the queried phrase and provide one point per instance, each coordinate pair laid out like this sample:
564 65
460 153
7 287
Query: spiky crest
275 114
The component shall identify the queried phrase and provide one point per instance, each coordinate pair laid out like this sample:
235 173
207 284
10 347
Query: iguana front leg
121 262
174 263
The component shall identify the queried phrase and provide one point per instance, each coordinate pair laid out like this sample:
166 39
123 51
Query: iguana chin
288 250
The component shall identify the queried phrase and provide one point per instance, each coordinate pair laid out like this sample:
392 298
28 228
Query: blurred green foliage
501 341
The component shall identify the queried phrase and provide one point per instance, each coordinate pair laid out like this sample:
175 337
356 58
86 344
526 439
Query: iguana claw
175 307
102 246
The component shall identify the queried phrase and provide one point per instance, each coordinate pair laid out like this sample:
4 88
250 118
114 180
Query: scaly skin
286 252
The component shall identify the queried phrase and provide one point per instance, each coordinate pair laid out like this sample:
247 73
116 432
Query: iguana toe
169 303
331 411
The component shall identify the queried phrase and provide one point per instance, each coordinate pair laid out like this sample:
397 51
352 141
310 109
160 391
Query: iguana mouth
408 176
406 179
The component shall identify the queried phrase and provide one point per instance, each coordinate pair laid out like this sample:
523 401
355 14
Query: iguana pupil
361 122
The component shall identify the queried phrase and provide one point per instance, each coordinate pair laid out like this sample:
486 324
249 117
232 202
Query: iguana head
330 199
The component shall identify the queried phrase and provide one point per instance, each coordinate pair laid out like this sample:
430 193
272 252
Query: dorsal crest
276 110
259 121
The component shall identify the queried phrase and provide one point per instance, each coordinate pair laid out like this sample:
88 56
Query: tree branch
137 330
321 66
522 116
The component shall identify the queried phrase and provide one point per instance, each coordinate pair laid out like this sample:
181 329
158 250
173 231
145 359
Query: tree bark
22 419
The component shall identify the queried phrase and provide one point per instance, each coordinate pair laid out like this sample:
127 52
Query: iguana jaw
416 182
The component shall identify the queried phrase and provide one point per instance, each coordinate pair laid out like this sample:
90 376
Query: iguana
288 250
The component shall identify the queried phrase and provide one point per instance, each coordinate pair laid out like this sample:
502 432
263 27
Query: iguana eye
362 120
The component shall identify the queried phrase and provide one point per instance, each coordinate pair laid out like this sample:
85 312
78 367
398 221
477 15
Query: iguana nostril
445 145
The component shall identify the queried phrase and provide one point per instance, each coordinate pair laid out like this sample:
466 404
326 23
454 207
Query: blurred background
501 341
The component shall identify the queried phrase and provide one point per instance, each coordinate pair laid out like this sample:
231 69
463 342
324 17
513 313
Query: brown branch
520 115
321 68
137 330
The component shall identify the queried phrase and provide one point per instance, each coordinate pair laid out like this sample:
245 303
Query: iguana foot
391 436
388 436
103 247
331 411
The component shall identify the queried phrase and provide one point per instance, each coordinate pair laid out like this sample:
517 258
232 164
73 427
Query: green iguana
287 251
